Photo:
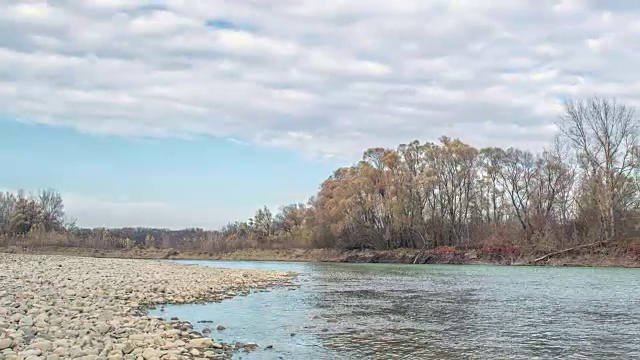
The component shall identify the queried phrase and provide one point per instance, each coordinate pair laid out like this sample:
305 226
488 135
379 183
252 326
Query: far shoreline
601 259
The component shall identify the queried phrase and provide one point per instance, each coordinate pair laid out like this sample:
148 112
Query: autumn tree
26 214
424 195
290 217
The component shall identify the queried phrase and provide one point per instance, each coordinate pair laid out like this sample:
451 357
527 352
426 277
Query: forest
582 189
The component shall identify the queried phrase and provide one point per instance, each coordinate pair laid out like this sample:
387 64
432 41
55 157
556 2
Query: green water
378 311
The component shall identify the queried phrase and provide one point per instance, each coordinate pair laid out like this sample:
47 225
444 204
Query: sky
183 113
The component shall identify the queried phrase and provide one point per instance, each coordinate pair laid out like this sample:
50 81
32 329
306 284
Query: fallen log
567 250
418 255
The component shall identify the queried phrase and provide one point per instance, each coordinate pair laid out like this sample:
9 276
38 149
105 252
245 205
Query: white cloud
325 78
161 22
32 12
599 44
107 212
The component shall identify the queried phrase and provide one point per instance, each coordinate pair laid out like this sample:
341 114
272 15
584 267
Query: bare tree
51 210
604 134
7 209
517 177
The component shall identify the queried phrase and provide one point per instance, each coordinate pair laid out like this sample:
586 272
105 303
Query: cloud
92 211
324 78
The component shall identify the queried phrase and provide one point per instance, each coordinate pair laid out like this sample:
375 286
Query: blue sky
194 113
202 181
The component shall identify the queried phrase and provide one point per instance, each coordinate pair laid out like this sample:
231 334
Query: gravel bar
61 307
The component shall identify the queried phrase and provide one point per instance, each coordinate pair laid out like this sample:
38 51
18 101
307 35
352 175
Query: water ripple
377 311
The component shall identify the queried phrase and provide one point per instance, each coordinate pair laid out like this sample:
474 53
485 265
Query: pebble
26 321
201 343
42 345
103 328
5 343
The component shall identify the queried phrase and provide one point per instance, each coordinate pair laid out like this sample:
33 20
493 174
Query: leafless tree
604 135
51 210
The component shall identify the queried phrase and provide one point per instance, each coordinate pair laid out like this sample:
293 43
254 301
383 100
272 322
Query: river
389 311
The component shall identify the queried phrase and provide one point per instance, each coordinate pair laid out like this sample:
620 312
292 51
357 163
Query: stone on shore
201 343
5 343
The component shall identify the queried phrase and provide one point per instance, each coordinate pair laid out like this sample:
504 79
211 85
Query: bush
499 246
634 248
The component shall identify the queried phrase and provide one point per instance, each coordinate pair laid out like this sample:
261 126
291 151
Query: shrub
634 248
500 247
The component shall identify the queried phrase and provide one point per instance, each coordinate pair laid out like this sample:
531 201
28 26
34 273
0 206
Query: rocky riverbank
61 307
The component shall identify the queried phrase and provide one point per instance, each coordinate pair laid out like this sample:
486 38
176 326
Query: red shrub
634 248
499 246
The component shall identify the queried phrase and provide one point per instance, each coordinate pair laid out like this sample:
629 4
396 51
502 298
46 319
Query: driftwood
424 248
418 255
566 251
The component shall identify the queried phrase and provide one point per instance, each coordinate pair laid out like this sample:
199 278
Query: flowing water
379 311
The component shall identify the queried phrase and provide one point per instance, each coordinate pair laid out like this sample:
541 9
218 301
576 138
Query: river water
380 311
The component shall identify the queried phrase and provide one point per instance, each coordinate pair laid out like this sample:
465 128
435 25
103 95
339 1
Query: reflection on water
379 311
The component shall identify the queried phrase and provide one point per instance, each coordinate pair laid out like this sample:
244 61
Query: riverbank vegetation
582 192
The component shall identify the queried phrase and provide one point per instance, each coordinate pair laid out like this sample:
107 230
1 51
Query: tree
491 194
7 209
604 135
263 222
52 215
290 217
26 214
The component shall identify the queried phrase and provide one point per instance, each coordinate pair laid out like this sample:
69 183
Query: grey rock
29 352
26 321
150 353
103 328
128 348
201 343
5 343
60 351
42 345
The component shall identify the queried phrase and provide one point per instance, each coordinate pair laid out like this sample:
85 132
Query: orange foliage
498 246
634 248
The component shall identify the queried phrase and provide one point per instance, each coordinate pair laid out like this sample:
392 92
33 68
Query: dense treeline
582 189
426 195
